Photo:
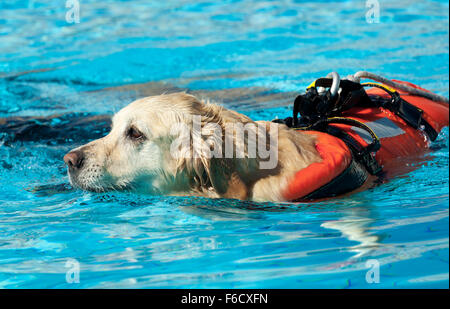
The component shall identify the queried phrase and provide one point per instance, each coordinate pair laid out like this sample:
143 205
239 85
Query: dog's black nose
74 159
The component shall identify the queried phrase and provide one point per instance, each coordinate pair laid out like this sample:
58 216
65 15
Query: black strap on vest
356 174
411 114
364 155
353 177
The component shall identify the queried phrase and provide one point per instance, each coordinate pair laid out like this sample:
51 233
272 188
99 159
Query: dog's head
150 149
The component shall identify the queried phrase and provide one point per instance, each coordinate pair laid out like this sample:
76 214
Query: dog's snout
74 159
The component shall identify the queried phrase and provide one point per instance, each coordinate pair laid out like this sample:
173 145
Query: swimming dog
177 144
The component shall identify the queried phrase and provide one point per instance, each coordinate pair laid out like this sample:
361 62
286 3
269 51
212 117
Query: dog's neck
244 178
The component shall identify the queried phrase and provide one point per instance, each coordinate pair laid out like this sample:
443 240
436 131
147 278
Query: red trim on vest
336 157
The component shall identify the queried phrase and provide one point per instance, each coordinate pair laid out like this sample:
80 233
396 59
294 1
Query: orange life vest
397 139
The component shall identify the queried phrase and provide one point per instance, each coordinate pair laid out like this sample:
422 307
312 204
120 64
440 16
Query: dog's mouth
82 179
96 182
83 183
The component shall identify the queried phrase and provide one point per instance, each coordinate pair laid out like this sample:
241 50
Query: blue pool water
252 56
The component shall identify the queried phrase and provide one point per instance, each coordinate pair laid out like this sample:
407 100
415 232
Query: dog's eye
135 134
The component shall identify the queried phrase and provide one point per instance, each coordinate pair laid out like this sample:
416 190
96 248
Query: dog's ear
218 175
225 180
212 170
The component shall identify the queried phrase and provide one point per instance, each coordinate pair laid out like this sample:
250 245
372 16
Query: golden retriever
176 144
